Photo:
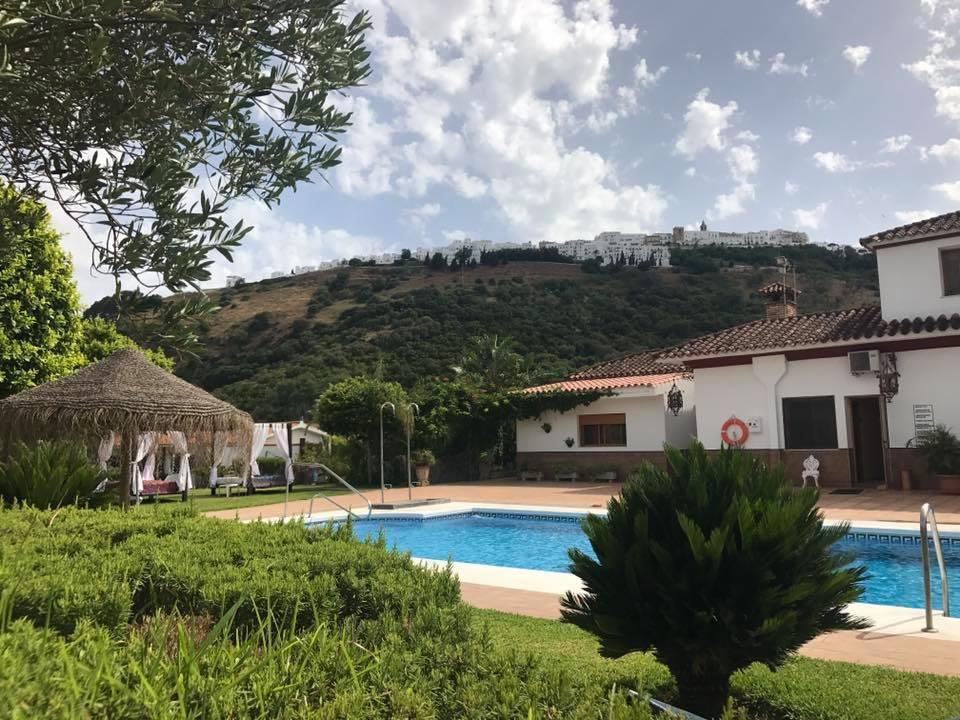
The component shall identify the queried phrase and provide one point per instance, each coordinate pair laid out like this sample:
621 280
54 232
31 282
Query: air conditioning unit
864 362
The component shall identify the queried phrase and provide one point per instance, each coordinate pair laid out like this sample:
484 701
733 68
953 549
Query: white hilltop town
609 247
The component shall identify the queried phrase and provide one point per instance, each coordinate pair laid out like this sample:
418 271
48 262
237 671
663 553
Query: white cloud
694 57
705 124
789 188
950 150
857 55
646 78
743 162
780 66
747 136
950 190
834 162
905 217
810 219
690 172
801 135
940 67
418 216
748 59
278 244
814 7
895 144
487 97
732 203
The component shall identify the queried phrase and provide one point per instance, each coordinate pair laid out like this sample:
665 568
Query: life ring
735 432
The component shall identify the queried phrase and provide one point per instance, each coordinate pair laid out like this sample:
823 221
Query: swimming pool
540 542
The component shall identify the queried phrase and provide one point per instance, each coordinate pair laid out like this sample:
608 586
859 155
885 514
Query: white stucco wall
911 284
740 390
645 418
927 377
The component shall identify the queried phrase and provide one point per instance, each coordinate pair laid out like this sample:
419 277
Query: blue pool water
541 543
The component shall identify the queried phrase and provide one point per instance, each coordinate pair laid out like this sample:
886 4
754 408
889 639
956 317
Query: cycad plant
714 564
48 474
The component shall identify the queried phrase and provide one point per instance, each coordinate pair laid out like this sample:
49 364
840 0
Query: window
810 423
950 267
603 430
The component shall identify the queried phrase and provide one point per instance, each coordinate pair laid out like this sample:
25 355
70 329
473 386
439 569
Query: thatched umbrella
124 394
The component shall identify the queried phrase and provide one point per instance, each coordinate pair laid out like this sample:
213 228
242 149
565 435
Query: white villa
853 387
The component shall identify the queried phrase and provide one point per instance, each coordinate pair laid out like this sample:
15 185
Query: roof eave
809 346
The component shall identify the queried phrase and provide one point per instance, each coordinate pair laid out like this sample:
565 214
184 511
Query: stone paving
919 652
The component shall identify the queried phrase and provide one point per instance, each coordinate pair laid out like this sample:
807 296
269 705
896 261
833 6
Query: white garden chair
811 470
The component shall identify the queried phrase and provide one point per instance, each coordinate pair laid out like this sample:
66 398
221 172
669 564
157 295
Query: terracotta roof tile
637 364
861 323
938 226
612 383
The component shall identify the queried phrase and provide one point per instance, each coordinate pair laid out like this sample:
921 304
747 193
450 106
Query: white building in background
705 236
234 280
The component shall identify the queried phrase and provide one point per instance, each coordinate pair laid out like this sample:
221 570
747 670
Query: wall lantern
675 400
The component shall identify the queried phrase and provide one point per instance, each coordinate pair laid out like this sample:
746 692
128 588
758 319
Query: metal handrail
929 517
348 486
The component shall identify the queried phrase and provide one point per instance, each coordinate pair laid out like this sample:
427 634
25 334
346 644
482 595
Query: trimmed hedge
159 613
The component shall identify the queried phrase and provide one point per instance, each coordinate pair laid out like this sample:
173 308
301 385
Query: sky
554 120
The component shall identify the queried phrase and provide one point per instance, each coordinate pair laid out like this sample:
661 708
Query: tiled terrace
906 649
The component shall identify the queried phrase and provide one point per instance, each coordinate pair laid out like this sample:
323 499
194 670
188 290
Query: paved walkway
915 651
919 653
870 505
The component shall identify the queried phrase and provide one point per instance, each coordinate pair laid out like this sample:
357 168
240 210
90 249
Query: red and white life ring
735 432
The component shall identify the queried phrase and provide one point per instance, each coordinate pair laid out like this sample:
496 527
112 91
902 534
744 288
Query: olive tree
145 119
713 564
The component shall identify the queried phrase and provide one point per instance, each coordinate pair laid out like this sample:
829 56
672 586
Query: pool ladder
929 518
349 487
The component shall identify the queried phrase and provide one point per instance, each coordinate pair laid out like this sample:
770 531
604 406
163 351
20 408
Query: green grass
202 501
803 689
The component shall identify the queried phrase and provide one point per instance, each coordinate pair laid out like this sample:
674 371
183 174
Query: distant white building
234 280
705 236
276 274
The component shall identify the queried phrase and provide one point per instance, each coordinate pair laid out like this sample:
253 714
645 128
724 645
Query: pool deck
895 639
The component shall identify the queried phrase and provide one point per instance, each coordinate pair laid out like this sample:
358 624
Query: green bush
271 465
714 564
940 451
162 614
48 474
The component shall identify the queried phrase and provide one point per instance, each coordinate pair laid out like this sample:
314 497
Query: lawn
202 501
803 689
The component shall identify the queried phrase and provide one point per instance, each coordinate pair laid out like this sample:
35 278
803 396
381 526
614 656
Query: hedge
160 613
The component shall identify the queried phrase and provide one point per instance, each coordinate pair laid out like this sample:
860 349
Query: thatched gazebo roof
124 394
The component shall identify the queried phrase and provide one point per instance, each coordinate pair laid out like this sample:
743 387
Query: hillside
274 345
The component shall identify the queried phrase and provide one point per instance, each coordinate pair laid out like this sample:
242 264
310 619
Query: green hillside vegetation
275 345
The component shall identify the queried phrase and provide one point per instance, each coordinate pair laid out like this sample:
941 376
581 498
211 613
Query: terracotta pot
949 484
423 474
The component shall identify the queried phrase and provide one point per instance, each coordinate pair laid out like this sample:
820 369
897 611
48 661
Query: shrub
48 474
423 456
271 465
163 614
940 451
714 564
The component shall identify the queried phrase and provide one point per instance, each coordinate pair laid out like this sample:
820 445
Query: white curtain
280 436
146 444
105 450
184 476
223 454
260 432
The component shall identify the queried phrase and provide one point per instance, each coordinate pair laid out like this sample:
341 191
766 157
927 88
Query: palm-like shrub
713 564
48 474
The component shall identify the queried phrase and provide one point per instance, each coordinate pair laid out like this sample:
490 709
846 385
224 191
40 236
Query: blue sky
550 120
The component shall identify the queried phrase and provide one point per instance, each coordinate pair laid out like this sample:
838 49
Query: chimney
781 300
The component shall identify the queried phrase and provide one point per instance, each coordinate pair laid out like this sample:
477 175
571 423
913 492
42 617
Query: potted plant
940 451
423 460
